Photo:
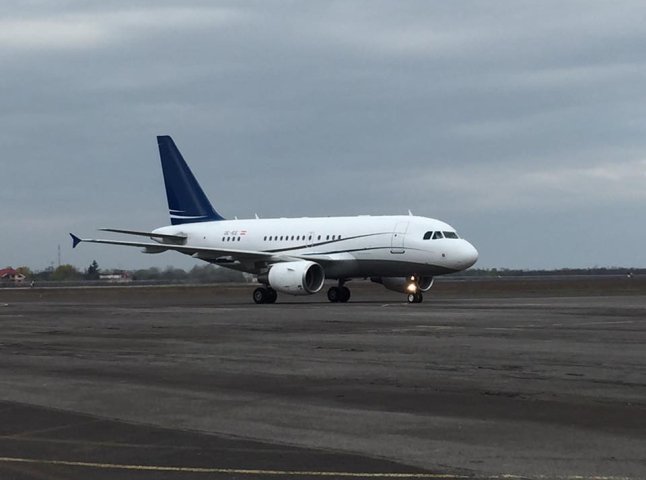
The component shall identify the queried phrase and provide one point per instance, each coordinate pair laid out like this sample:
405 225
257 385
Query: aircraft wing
205 253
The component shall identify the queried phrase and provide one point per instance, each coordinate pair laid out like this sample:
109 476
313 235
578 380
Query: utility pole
59 254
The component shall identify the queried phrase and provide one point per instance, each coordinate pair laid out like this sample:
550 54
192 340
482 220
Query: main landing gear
265 295
338 294
416 297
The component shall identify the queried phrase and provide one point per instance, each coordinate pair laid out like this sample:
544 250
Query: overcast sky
522 124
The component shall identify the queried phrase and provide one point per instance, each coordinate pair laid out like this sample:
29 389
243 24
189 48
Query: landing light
412 288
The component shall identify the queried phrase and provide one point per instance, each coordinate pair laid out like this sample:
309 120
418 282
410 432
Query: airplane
296 256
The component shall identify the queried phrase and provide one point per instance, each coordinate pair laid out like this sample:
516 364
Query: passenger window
292 237
437 235
310 237
428 235
319 237
327 237
339 237
223 239
238 238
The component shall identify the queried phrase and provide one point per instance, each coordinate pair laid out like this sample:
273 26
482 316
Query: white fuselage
362 246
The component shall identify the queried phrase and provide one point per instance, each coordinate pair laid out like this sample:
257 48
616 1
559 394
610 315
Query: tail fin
186 200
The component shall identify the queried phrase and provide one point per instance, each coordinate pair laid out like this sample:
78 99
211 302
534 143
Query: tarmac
484 380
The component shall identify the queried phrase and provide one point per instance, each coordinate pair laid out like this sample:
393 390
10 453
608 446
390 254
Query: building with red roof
11 275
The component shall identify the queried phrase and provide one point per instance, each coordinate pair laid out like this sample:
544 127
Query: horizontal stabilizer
75 240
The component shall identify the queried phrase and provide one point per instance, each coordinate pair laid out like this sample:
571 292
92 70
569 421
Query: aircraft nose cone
469 255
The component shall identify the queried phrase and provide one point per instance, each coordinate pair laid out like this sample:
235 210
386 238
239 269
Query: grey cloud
487 115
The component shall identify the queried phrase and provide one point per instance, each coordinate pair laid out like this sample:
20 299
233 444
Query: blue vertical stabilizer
187 202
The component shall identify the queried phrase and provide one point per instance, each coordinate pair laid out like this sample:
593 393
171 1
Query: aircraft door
397 240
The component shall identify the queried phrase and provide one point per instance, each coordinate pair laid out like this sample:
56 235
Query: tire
345 294
412 298
272 295
334 294
420 297
260 295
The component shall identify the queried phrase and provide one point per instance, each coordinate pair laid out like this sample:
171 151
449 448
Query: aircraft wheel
415 297
334 294
272 295
345 294
260 295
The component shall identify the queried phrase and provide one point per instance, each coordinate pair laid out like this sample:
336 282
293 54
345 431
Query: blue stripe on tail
187 202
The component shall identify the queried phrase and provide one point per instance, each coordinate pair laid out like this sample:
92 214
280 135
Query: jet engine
296 278
405 284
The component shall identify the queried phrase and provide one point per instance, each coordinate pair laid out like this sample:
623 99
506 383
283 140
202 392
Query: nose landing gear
416 297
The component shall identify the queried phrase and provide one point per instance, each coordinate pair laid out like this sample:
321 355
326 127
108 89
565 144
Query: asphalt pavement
174 382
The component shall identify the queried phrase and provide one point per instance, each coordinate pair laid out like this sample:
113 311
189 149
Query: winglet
75 240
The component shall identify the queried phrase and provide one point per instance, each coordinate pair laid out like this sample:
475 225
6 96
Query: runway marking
55 428
585 324
290 473
506 328
61 441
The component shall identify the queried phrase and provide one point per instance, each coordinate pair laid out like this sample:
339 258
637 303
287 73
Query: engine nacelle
296 278
402 284
424 283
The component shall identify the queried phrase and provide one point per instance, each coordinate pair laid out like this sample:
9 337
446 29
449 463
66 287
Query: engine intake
296 278
424 283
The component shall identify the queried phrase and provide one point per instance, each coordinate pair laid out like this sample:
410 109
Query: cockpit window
450 235
437 235
428 235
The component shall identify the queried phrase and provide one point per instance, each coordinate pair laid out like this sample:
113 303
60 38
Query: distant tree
213 274
66 273
152 273
228 275
92 272
173 274
26 271
203 274
44 275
